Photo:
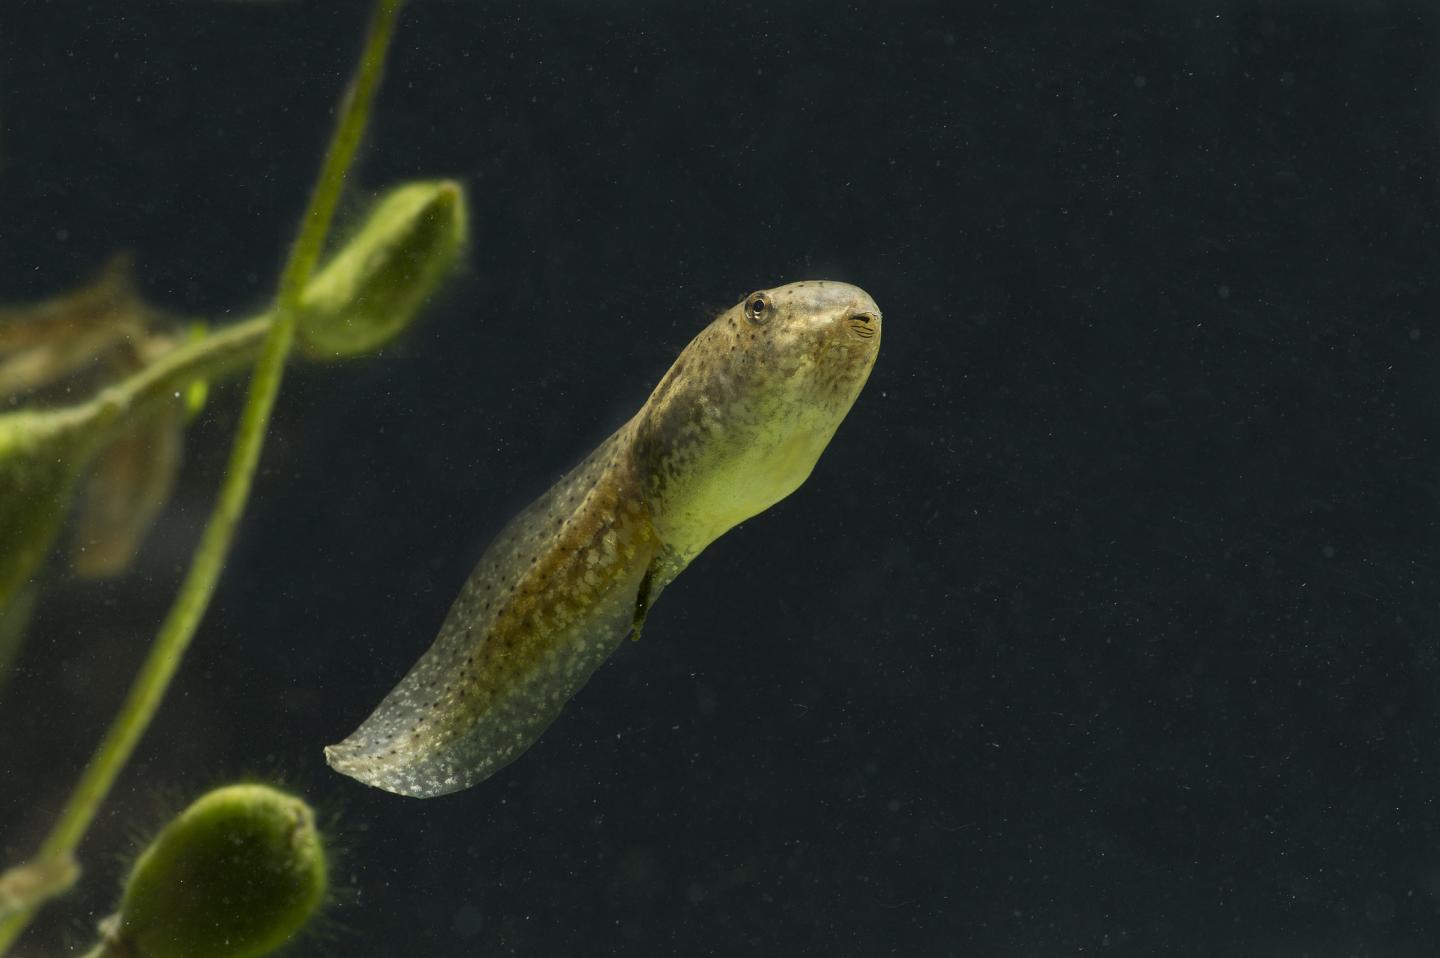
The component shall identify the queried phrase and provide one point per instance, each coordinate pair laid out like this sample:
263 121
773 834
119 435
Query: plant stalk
199 585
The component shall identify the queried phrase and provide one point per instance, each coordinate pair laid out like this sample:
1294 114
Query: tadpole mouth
863 324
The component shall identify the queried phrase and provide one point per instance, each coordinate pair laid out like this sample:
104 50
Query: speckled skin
735 425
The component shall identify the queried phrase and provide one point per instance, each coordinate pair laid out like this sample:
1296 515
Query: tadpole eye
757 308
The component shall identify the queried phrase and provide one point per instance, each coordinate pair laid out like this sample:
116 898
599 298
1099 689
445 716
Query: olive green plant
366 292
235 875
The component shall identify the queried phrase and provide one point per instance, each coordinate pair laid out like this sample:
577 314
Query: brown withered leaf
129 484
46 342
80 341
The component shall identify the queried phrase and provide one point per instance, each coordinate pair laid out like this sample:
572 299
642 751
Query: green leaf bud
233 876
375 285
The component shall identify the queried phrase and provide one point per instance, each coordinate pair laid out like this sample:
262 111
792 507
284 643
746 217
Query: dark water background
1109 624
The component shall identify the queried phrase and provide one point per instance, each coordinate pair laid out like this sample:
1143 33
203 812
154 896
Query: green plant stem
199 585
207 358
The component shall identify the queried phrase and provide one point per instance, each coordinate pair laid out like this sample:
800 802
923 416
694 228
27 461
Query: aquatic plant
235 875
365 293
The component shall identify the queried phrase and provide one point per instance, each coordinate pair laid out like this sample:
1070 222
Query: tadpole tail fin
552 597
425 739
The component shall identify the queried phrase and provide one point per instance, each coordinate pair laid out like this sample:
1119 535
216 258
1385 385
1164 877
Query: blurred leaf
50 340
14 620
42 454
128 486
373 288
367 293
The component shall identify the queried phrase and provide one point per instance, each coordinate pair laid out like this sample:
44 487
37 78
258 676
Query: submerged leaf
56 338
372 289
42 454
368 292
14 620
128 486
100 334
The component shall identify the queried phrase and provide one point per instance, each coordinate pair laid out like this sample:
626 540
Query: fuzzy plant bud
235 875
374 286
